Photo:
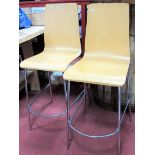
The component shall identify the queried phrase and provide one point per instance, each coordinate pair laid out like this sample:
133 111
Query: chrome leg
67 95
88 93
130 112
27 99
130 101
69 118
50 83
119 118
85 97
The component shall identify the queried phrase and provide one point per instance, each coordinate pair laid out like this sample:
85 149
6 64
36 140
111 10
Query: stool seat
107 54
105 62
50 60
62 46
110 71
62 39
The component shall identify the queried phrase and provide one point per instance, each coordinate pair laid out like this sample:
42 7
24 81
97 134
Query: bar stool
62 46
106 59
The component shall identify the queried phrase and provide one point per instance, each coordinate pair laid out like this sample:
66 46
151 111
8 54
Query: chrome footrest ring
93 136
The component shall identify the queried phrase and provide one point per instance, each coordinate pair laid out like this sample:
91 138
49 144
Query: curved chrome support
30 103
93 136
82 95
44 115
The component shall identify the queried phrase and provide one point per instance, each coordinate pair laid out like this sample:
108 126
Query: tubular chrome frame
81 97
29 104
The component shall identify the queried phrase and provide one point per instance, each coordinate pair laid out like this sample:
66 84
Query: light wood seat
105 62
107 56
62 46
62 39
101 71
50 61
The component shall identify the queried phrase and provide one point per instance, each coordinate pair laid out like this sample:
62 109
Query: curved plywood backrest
62 27
107 31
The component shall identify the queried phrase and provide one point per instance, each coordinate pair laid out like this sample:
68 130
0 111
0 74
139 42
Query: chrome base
83 96
29 104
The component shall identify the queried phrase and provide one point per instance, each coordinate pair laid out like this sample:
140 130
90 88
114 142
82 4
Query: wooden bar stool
106 59
62 46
